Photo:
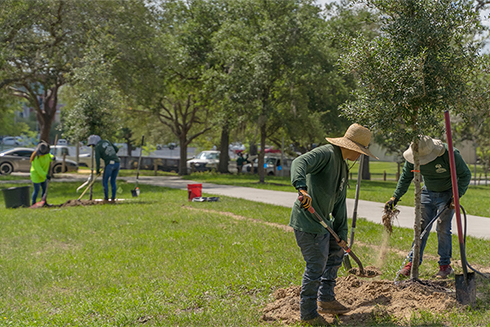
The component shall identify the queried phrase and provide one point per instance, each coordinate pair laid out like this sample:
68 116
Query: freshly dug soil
75 203
388 217
369 271
369 299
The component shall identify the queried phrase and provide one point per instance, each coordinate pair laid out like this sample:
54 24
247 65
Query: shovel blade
135 192
465 291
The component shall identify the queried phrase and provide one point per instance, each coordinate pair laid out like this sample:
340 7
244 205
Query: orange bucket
194 191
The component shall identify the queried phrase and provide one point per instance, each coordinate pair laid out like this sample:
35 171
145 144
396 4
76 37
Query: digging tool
42 203
88 187
347 264
136 191
426 229
341 243
465 292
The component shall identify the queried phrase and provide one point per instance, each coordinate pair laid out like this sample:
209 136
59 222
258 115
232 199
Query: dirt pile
75 203
369 298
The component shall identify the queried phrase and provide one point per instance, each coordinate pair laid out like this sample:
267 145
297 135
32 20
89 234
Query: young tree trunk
224 156
414 274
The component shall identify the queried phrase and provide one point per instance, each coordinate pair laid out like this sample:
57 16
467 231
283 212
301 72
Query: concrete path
372 211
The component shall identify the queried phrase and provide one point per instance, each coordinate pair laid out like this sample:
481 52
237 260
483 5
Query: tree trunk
183 155
45 123
366 175
224 157
418 214
260 168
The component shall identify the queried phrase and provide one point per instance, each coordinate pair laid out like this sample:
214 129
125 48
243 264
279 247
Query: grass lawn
159 260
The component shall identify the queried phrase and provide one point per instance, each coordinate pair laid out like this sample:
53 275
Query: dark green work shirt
436 175
107 151
324 172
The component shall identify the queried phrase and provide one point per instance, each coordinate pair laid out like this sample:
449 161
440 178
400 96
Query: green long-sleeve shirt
40 168
107 151
324 172
436 175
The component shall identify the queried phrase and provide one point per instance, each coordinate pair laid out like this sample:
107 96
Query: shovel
347 264
136 191
341 243
466 287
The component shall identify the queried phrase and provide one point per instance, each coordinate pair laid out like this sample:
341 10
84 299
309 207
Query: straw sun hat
356 138
429 149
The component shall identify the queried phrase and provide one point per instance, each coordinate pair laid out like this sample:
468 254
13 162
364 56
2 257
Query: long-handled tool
426 229
341 243
136 191
465 288
347 264
88 187
42 203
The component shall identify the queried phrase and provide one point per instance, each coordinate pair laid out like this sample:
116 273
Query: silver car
18 160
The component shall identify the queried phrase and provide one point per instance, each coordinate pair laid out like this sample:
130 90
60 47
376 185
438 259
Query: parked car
273 165
84 159
18 160
13 140
204 161
62 142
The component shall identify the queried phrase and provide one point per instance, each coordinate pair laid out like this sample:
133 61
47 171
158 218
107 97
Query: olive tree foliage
417 68
42 41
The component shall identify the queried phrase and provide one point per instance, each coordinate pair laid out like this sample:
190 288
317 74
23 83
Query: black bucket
16 197
465 292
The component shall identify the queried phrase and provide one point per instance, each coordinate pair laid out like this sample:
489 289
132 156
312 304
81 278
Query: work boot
405 271
332 307
317 321
444 271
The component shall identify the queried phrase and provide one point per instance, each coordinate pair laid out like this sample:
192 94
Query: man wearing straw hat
320 176
436 193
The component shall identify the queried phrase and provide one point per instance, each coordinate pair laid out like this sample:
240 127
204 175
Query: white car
11 140
62 142
204 161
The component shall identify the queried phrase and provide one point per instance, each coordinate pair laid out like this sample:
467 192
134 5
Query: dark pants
110 171
37 186
323 258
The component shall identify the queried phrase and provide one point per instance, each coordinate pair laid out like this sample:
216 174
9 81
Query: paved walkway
372 211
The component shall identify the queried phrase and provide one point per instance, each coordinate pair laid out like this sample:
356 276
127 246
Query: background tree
418 68
42 41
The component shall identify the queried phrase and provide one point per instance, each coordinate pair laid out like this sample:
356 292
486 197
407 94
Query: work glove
304 198
391 203
48 177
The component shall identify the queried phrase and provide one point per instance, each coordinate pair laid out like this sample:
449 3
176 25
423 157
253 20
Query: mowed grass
159 260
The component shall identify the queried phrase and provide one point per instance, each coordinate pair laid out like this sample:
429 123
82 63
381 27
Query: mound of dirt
369 271
75 203
369 298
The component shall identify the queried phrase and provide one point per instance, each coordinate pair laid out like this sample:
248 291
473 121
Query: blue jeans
37 186
431 204
323 258
110 171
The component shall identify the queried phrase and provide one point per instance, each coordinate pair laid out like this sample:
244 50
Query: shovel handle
342 243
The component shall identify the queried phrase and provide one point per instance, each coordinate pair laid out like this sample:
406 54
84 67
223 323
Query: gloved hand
305 198
451 204
48 177
391 203
97 173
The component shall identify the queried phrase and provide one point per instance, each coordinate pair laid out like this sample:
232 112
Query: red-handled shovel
341 243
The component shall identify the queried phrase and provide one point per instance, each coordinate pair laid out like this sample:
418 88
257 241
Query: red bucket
194 191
